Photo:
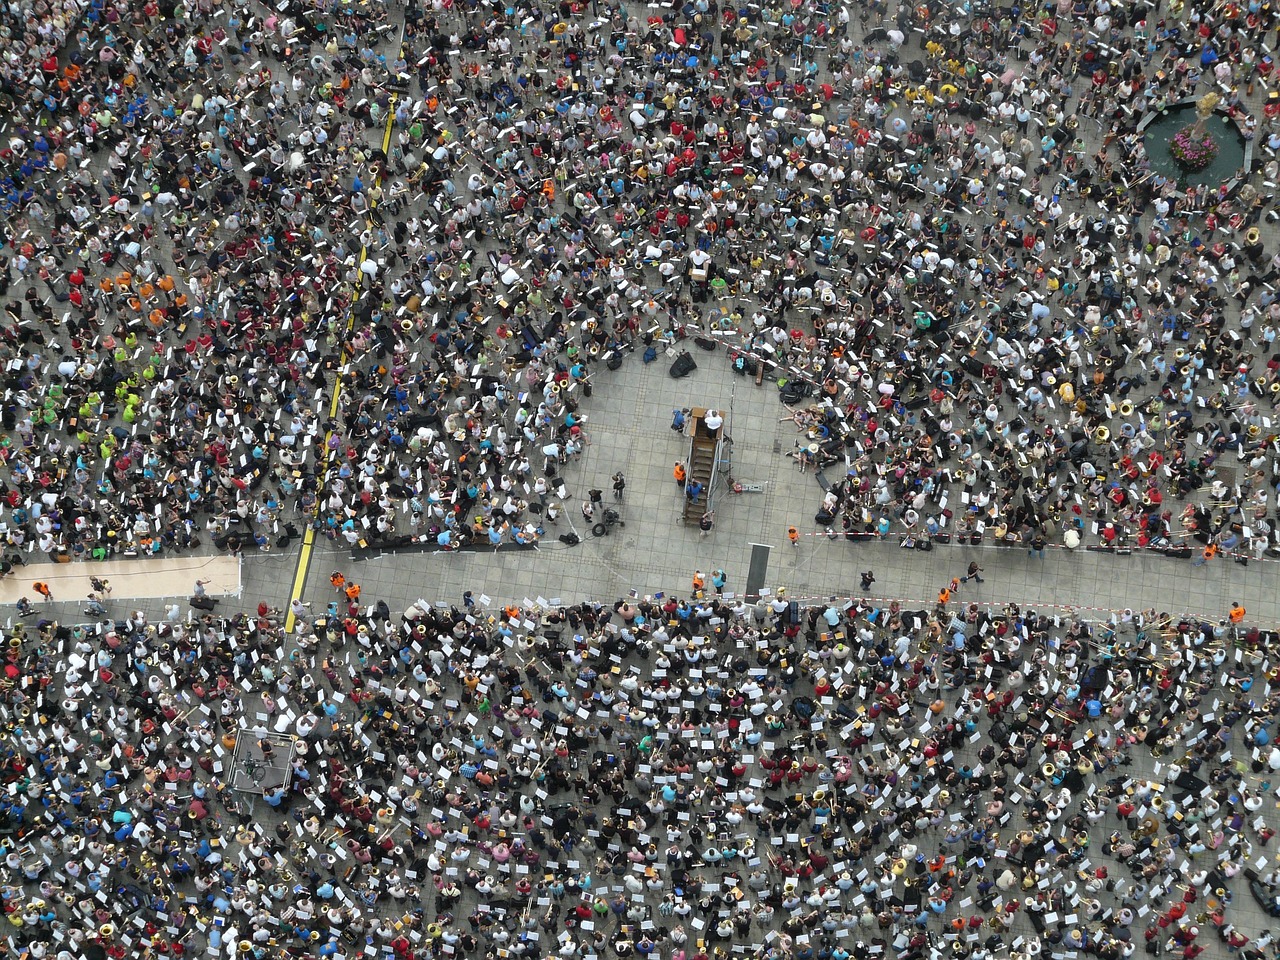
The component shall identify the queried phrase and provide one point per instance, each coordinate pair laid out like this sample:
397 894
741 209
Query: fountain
1158 130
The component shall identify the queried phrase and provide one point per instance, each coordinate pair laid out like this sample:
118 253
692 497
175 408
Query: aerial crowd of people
939 230
364 265
697 778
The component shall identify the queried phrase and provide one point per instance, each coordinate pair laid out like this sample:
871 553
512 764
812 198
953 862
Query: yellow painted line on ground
309 538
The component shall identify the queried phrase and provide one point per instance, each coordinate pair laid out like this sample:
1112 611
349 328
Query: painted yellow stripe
309 538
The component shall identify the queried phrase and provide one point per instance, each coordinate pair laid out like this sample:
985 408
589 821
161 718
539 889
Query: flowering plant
1193 149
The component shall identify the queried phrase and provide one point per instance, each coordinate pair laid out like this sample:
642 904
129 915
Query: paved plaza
331 329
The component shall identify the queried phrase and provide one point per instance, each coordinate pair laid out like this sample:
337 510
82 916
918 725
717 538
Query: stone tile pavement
629 428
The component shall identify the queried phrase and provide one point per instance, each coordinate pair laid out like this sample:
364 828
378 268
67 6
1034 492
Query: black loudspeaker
683 365
204 603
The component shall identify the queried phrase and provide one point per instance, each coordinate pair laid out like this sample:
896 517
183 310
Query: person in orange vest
1236 616
42 588
679 473
1208 554
698 583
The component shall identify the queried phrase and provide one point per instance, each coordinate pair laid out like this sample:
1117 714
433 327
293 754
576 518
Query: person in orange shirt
794 536
944 596
698 583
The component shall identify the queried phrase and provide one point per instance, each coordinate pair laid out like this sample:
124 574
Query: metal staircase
702 464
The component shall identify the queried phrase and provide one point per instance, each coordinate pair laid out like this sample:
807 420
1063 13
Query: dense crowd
669 777
940 228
